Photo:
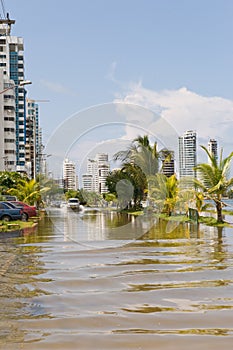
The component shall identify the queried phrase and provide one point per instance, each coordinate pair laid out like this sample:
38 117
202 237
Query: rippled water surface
95 281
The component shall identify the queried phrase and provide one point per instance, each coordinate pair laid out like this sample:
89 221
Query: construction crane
33 100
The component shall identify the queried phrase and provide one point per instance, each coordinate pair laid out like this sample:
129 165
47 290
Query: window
10 119
9 129
9 140
9 108
9 96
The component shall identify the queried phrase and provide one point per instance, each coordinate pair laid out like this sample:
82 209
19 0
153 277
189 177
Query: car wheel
24 217
6 218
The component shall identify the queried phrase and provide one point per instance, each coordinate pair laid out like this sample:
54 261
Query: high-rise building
87 180
188 154
7 124
92 170
69 175
12 65
213 148
103 171
168 162
33 139
97 172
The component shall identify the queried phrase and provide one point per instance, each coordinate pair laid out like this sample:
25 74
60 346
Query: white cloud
211 117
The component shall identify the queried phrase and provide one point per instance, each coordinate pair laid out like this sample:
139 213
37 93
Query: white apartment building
7 124
168 162
188 154
33 144
12 66
87 180
213 148
92 170
69 175
97 172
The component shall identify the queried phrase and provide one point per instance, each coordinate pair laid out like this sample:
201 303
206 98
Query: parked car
8 213
7 198
28 210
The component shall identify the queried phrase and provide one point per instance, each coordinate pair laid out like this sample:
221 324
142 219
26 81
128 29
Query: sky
173 58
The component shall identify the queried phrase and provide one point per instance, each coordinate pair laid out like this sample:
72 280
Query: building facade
12 66
97 172
188 154
168 162
69 175
213 148
7 124
33 144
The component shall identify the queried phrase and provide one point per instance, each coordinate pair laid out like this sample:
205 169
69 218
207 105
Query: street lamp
22 83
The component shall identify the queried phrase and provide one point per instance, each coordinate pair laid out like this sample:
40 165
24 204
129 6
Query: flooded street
97 281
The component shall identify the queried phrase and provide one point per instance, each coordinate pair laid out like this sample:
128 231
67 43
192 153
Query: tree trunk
219 211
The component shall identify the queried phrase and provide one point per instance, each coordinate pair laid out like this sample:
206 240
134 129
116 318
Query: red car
28 210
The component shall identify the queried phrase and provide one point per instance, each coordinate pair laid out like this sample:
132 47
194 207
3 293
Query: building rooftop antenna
7 22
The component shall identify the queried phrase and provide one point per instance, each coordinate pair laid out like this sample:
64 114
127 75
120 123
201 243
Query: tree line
141 178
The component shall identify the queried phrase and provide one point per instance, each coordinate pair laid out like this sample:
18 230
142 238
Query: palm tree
29 191
214 180
134 174
142 154
165 192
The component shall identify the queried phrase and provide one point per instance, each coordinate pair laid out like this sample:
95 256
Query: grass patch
210 221
179 218
11 225
132 211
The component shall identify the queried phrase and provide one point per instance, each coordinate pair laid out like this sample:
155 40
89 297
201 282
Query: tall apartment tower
91 181
69 175
168 162
32 146
7 124
188 154
12 65
103 171
213 148
97 172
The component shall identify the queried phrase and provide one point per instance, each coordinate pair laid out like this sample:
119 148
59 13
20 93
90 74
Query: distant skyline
173 57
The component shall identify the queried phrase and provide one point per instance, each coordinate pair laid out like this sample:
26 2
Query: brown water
166 289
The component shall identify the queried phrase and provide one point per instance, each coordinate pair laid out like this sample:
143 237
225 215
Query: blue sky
174 56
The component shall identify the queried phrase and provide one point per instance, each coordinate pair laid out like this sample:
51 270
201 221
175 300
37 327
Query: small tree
214 179
29 192
164 192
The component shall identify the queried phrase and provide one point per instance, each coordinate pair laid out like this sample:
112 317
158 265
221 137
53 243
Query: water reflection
19 267
143 293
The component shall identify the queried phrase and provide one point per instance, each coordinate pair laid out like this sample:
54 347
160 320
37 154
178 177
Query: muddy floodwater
100 280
